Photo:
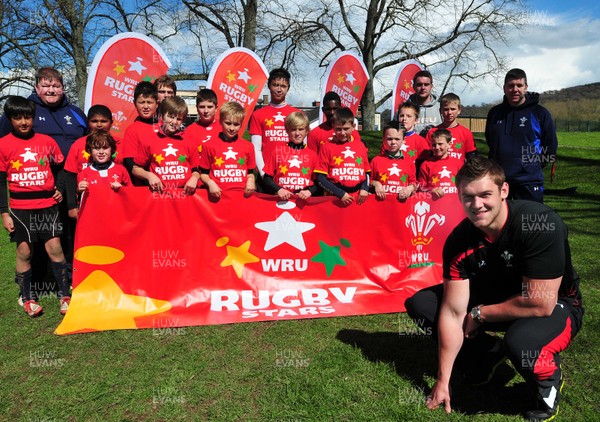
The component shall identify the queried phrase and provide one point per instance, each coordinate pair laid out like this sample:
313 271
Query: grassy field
371 368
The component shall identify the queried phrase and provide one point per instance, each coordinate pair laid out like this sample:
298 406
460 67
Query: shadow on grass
414 359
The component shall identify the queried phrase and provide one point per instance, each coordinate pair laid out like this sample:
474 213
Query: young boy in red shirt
289 170
100 146
324 132
145 126
227 162
168 160
436 175
343 168
393 172
99 118
207 126
26 161
267 130
463 144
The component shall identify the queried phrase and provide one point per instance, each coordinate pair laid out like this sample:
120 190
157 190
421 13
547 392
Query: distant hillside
577 103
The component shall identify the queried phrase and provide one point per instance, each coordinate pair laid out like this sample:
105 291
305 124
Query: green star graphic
114 156
182 158
241 161
412 152
251 88
454 180
356 88
404 178
42 162
359 160
458 146
305 170
147 78
330 256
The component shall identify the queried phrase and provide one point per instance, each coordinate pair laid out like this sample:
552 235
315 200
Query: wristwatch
476 313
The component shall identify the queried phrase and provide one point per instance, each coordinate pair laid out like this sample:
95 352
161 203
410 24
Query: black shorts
35 225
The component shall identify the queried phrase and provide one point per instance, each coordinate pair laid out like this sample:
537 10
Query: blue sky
558 48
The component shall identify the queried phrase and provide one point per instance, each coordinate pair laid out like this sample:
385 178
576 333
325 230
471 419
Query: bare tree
455 35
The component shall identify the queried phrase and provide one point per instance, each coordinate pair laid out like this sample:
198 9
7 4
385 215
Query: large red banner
238 75
403 86
346 75
159 260
122 62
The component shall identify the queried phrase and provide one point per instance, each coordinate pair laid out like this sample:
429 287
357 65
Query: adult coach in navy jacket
55 116
522 138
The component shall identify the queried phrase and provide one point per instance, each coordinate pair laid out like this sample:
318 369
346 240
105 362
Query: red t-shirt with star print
393 173
414 147
78 158
171 158
229 162
439 173
26 163
462 141
344 163
268 122
321 135
199 134
292 169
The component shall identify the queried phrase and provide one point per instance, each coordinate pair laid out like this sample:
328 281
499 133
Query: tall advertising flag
122 62
238 75
403 87
346 75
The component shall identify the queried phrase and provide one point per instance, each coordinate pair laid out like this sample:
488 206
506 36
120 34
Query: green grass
344 369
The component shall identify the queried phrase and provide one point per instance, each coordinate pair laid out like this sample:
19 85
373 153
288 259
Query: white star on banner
285 229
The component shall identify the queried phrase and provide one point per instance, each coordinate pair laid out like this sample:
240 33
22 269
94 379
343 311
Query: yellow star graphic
237 257
434 180
338 160
341 78
118 68
98 303
158 158
407 84
230 76
85 154
383 177
16 164
269 122
199 148
219 161
283 169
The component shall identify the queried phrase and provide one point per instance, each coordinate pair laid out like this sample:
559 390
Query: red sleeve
423 175
72 162
255 127
130 142
323 161
82 175
251 155
205 159
469 141
124 175
55 153
412 176
141 156
269 167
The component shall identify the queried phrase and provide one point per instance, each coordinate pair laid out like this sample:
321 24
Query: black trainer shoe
544 412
